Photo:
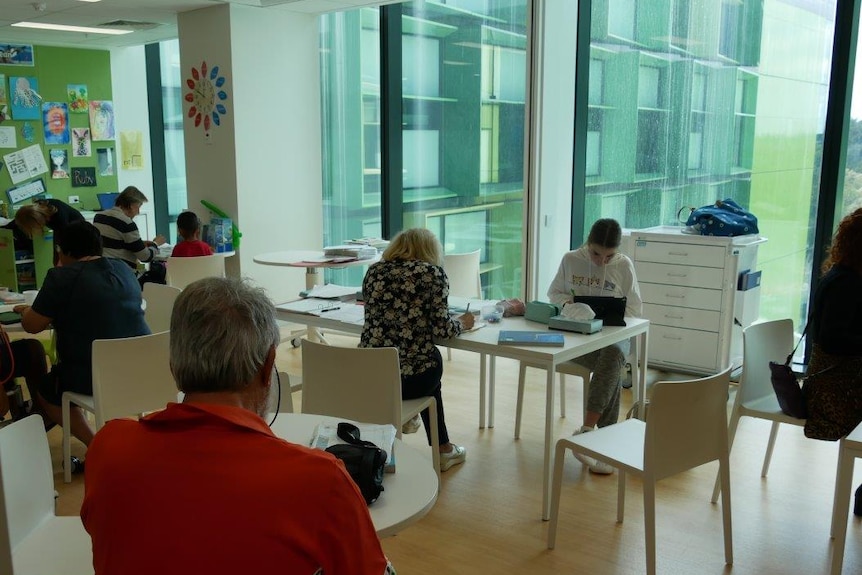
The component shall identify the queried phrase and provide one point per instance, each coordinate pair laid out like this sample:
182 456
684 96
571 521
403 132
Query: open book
383 436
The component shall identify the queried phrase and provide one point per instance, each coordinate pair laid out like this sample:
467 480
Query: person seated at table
120 235
239 499
406 307
597 269
87 297
189 229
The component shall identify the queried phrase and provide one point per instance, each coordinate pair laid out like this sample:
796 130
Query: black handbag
787 387
363 460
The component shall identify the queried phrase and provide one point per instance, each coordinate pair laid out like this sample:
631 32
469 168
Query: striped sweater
121 238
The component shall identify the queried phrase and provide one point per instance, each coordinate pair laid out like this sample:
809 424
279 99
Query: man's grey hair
221 332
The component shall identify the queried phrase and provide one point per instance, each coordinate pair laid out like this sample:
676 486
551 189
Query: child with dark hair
189 229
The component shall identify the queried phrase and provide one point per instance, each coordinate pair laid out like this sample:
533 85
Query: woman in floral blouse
406 307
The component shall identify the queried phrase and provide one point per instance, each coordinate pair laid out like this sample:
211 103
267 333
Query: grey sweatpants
604 396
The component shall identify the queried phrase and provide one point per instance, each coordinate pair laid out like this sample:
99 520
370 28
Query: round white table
312 261
408 494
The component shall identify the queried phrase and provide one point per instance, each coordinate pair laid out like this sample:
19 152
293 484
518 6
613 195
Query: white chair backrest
463 273
285 398
762 343
160 303
26 484
686 424
183 271
358 383
132 375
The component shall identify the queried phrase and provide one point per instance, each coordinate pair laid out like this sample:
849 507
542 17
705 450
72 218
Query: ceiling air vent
130 24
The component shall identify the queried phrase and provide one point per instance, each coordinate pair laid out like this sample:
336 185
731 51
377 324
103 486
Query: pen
468 308
330 309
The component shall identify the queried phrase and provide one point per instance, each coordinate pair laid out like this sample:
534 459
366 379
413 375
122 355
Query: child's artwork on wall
55 123
16 55
81 143
24 93
83 177
102 120
78 100
132 149
7 137
59 163
105 157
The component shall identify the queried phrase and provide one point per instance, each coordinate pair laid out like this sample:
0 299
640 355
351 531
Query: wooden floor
487 518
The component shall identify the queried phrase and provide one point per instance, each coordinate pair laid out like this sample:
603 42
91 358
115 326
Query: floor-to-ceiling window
463 93
690 106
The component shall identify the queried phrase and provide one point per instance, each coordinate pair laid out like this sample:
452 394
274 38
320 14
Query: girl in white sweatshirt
597 269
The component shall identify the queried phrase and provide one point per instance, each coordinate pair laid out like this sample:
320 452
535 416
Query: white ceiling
162 13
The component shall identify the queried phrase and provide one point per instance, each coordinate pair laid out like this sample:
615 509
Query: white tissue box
580 326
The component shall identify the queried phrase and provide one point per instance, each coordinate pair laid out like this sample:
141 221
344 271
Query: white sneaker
594 465
413 425
455 457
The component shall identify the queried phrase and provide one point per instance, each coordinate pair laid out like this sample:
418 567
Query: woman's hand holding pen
467 320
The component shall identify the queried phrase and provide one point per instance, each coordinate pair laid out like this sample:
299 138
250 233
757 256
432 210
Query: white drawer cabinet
688 285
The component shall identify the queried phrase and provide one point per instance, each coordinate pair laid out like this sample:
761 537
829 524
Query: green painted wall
54 69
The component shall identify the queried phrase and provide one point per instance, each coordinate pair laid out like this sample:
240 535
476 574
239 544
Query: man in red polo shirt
204 486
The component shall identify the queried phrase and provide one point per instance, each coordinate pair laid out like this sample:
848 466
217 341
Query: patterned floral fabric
406 306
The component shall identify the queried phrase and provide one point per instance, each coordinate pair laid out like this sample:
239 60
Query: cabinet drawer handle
683 254
673 316
670 275
675 338
674 296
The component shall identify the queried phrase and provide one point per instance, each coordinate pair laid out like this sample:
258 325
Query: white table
408 494
310 260
484 341
849 450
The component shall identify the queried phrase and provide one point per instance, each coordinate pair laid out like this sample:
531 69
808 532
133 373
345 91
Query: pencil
468 308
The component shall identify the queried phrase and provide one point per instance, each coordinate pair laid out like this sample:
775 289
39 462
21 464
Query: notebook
611 310
106 199
511 337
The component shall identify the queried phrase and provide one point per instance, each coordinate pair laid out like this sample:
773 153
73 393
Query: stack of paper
332 291
352 251
11 297
383 436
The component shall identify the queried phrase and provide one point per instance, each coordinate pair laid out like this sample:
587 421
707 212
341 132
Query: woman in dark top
406 307
49 213
834 389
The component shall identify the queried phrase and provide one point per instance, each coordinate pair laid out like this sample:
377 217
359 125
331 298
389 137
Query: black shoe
77 465
857 506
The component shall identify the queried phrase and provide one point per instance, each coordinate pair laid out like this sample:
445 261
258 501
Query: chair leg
649 523
449 353
519 406
724 473
769 447
562 394
435 437
840 507
556 485
731 434
67 440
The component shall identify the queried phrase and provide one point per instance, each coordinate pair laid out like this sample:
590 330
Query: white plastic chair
362 384
686 427
849 451
289 384
570 368
131 376
183 271
159 300
464 279
33 540
761 343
